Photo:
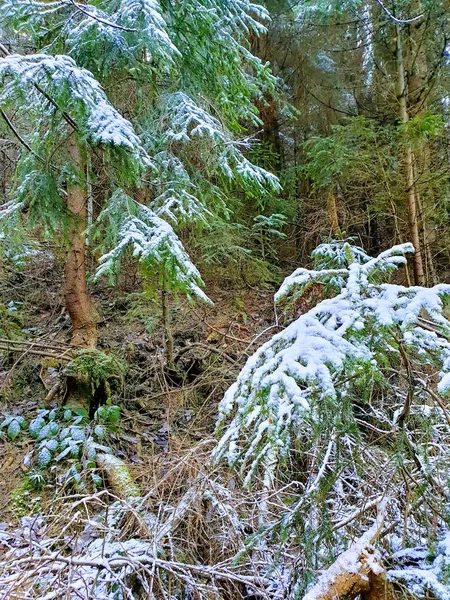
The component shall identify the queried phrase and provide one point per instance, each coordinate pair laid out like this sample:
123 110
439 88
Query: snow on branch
425 573
176 198
146 16
95 24
350 336
156 247
358 570
129 27
189 122
178 205
32 12
297 283
75 90
245 16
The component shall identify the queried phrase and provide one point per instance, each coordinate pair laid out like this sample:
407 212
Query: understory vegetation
224 300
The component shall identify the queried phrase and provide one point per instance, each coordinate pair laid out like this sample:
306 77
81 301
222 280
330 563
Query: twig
65 355
398 21
208 348
58 346
438 399
357 513
99 19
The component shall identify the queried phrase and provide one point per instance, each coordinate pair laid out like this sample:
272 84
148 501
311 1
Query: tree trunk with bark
418 90
411 190
78 302
332 213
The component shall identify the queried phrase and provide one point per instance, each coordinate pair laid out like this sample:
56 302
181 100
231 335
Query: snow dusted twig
51 562
398 21
315 484
357 513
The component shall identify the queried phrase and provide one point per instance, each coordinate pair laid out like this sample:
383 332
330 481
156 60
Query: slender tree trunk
417 64
168 337
419 275
90 197
418 88
78 303
332 211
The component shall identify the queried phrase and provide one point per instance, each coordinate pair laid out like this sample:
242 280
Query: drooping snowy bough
347 406
341 351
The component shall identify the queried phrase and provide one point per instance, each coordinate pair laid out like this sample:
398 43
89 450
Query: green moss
95 367
118 475
23 499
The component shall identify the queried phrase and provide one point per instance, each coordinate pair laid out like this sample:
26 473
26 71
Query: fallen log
358 571
118 476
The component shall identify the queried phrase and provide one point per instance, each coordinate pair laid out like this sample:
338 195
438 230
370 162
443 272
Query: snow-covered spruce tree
68 115
349 400
183 74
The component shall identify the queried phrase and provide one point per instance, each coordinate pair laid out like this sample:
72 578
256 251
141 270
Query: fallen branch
207 347
59 352
118 476
358 571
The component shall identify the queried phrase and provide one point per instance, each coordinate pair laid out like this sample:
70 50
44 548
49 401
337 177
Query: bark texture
411 189
358 571
78 303
369 582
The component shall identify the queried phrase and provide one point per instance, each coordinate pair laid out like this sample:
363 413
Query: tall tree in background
358 60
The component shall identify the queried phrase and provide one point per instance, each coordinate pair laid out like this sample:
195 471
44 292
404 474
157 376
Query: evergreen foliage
186 120
154 244
306 378
138 137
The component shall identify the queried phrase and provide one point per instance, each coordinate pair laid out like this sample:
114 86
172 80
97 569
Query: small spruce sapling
266 229
157 249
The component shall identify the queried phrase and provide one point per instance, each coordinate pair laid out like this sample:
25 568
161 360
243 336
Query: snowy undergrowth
347 406
342 412
163 545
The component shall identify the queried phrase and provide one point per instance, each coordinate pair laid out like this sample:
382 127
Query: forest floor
183 526
164 412
190 515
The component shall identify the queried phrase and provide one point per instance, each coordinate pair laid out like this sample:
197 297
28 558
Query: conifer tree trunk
419 274
168 337
332 212
418 88
78 303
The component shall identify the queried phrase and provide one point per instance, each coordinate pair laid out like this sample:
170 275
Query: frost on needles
34 78
299 389
153 243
